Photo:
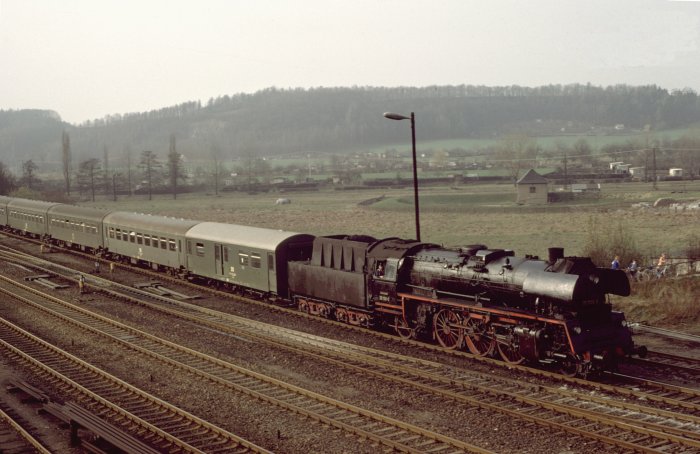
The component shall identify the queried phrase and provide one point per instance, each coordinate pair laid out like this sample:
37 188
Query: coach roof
27 204
149 222
254 237
74 211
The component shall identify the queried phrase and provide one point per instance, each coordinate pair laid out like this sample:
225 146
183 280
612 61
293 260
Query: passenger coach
156 241
29 217
242 256
77 227
4 200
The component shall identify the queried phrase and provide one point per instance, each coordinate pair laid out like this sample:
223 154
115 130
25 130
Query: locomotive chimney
555 253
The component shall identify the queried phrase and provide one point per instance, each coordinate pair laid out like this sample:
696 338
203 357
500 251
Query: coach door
220 257
271 272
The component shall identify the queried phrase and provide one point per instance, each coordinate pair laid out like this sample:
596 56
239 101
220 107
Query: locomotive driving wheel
480 341
571 366
447 327
402 328
509 351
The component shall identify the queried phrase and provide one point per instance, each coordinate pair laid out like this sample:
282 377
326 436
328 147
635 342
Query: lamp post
395 116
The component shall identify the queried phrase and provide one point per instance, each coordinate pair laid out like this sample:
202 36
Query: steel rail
660 359
17 433
665 332
97 390
453 385
640 389
387 431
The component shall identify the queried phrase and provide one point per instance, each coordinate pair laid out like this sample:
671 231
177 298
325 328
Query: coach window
119 234
147 240
139 238
132 237
200 249
225 254
163 243
171 244
111 232
255 260
270 262
243 259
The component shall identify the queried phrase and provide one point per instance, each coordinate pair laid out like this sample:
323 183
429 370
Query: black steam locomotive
521 308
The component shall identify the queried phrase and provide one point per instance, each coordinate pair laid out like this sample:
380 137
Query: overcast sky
89 58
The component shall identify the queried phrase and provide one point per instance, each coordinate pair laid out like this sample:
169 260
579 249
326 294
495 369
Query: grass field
467 214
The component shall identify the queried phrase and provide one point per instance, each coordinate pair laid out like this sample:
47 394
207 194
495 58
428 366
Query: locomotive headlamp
577 329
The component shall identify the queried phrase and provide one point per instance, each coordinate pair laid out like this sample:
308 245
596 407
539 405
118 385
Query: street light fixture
395 116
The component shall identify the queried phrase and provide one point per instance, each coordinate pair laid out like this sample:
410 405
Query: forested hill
287 121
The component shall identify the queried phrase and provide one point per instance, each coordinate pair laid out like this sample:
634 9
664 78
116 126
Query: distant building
585 187
675 172
532 188
637 171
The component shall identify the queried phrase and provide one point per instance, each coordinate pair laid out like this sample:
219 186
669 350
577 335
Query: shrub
672 300
605 240
692 249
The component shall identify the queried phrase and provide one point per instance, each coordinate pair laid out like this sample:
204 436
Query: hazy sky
89 58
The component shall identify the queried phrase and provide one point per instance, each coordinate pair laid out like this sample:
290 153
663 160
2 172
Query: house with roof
532 189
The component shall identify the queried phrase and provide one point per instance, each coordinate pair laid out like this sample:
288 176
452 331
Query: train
553 310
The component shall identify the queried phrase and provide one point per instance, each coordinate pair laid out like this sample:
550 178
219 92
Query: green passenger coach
77 227
155 241
29 217
242 256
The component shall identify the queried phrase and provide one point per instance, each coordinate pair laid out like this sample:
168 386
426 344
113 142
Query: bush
605 240
692 249
671 300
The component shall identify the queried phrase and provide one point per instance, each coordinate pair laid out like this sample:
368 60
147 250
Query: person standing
661 266
615 265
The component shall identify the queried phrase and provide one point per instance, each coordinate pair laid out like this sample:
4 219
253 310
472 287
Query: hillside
293 121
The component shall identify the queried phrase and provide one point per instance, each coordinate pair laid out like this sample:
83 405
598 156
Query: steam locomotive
487 300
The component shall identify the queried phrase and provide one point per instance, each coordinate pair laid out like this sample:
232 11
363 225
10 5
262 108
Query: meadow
450 216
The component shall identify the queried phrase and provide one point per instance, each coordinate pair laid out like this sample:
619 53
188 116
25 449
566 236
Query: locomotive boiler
487 300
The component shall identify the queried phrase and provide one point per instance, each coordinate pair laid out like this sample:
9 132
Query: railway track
629 386
680 399
391 433
162 425
615 423
667 360
14 438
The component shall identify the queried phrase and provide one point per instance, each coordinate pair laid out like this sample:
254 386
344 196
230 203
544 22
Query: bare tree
7 180
127 153
216 161
149 165
89 174
118 183
517 152
105 169
175 168
67 160
29 178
